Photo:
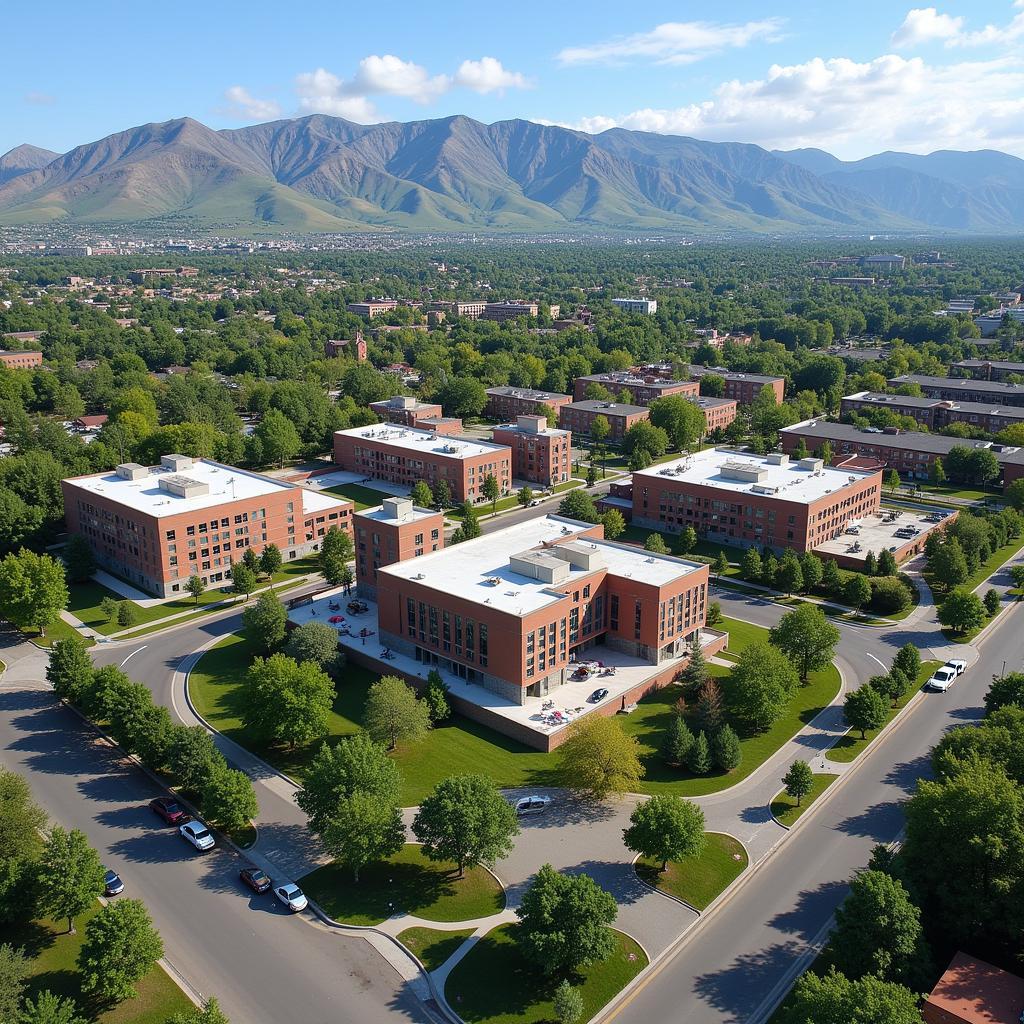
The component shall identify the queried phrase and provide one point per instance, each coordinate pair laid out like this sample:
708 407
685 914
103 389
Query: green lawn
786 810
405 883
849 746
994 561
495 984
363 496
53 954
955 491
56 630
431 946
698 880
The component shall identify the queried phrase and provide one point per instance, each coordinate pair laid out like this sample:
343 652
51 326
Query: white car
532 804
197 834
959 666
291 896
942 679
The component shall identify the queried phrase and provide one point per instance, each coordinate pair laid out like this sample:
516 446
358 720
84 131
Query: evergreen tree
710 707
726 750
695 671
678 740
886 563
751 567
698 758
869 564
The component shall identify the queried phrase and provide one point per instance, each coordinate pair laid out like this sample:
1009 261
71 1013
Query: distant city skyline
851 81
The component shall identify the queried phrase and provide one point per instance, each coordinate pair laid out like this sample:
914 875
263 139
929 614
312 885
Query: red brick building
406 411
972 991
936 413
743 387
642 388
579 417
25 360
718 412
403 455
156 527
508 403
344 346
744 500
540 454
395 532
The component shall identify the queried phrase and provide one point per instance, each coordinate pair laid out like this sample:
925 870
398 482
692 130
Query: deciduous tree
69 670
229 798
121 945
243 579
71 875
761 686
807 637
665 828
314 641
264 622
33 591
196 587
79 560
834 999
798 781
393 713
865 708
287 702
962 611
363 829
335 554
599 759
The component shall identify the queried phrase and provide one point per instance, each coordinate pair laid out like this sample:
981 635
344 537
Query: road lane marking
132 655
879 660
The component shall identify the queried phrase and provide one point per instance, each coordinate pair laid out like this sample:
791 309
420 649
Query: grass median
432 946
785 808
698 880
495 984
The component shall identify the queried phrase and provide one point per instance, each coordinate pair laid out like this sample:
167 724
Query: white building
645 306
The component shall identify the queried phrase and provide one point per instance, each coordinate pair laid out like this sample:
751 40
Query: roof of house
975 992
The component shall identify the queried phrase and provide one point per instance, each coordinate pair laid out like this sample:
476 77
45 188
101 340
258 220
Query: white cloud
925 25
675 42
320 92
393 76
242 104
487 75
854 108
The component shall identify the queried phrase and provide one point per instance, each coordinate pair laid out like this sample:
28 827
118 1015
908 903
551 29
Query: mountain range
322 173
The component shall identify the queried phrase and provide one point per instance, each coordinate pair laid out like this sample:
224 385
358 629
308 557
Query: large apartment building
541 454
771 501
403 455
158 526
20 360
648 307
743 387
507 403
961 389
718 412
394 532
579 417
936 413
511 611
410 412
987 369
641 388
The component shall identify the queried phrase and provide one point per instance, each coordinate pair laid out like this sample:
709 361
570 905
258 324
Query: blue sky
851 78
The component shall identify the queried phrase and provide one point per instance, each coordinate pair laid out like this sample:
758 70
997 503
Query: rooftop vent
184 486
176 463
132 471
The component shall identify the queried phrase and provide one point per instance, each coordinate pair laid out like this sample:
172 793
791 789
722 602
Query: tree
760 686
869 564
751 566
962 611
48 1008
1005 691
127 614
769 568
363 829
720 566
710 708
470 528
807 636
121 945
313 641
834 999
681 418
666 828
614 524
687 541
948 564
789 577
69 670
578 504
564 921
1017 576
278 439
264 622
191 756
865 708
599 760
856 591
196 587
466 820
229 798
33 591
287 702
813 570
937 473
524 495
138 724
209 1013
908 661
569 1004
271 559
889 594
831 579
600 428
726 751
675 746
20 819
878 930
798 781
13 972
442 495
108 607
421 495
991 601
243 579
70 875
355 765
336 552
491 490
655 543
436 697
886 563
393 714
645 436
698 760
251 560
892 481
79 561
714 613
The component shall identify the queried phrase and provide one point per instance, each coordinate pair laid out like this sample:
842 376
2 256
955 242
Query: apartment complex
403 455
158 526
909 452
743 387
646 306
771 501
507 403
961 389
936 413
372 308
642 388
541 454
394 532
20 360
406 411
513 610
501 311
986 369
579 417
470 310
718 412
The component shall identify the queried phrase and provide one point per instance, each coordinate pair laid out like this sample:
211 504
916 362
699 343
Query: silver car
197 834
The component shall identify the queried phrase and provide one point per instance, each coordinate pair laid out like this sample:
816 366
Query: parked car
959 666
532 804
168 809
256 878
112 884
598 695
291 896
942 679
197 834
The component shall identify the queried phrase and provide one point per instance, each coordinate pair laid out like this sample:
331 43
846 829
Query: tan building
20 360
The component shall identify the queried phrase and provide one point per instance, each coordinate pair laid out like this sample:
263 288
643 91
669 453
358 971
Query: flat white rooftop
382 515
424 442
225 483
479 570
785 480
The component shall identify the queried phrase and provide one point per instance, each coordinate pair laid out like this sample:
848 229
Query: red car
256 878
168 809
